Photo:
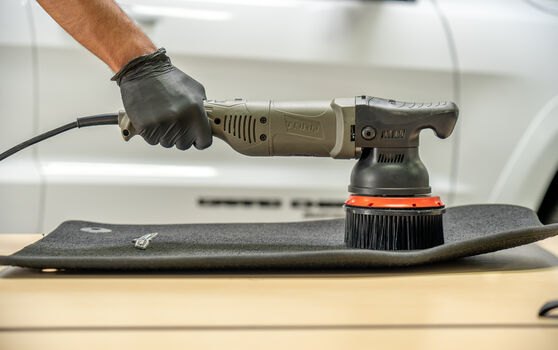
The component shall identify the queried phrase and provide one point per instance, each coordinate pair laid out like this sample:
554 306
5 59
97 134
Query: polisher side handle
388 123
270 128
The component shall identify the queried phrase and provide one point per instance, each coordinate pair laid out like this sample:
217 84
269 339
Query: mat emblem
95 229
143 241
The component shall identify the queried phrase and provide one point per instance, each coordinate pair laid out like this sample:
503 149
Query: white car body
496 59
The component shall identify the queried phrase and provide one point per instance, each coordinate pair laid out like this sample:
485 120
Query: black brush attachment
393 229
391 207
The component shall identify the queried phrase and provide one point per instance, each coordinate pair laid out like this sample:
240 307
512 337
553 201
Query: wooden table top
487 301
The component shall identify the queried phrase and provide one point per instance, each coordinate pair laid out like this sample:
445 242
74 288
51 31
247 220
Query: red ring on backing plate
394 202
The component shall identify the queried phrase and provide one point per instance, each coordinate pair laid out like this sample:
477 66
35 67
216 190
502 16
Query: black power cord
99 119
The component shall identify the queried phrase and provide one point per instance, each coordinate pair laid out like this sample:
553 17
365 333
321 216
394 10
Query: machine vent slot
254 130
249 131
242 127
227 124
391 158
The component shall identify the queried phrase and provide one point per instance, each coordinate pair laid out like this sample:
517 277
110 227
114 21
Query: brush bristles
393 229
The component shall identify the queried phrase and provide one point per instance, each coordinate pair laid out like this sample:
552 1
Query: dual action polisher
390 206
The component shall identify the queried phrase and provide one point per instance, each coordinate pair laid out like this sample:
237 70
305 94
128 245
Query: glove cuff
145 65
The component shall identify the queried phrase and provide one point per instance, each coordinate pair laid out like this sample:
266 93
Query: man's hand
164 104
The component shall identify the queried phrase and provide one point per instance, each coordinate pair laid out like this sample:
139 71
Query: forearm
102 27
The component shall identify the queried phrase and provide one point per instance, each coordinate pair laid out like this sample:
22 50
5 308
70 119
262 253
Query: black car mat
468 230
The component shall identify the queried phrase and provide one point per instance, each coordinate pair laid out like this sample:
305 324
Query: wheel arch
533 164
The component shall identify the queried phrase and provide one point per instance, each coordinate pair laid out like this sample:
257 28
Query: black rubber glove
163 103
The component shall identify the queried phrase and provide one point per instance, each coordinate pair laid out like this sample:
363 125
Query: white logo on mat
143 241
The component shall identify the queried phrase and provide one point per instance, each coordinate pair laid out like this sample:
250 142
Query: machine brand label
309 128
393 133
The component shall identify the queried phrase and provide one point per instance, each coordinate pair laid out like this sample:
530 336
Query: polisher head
391 207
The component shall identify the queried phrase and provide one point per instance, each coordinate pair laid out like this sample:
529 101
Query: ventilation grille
241 126
391 158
